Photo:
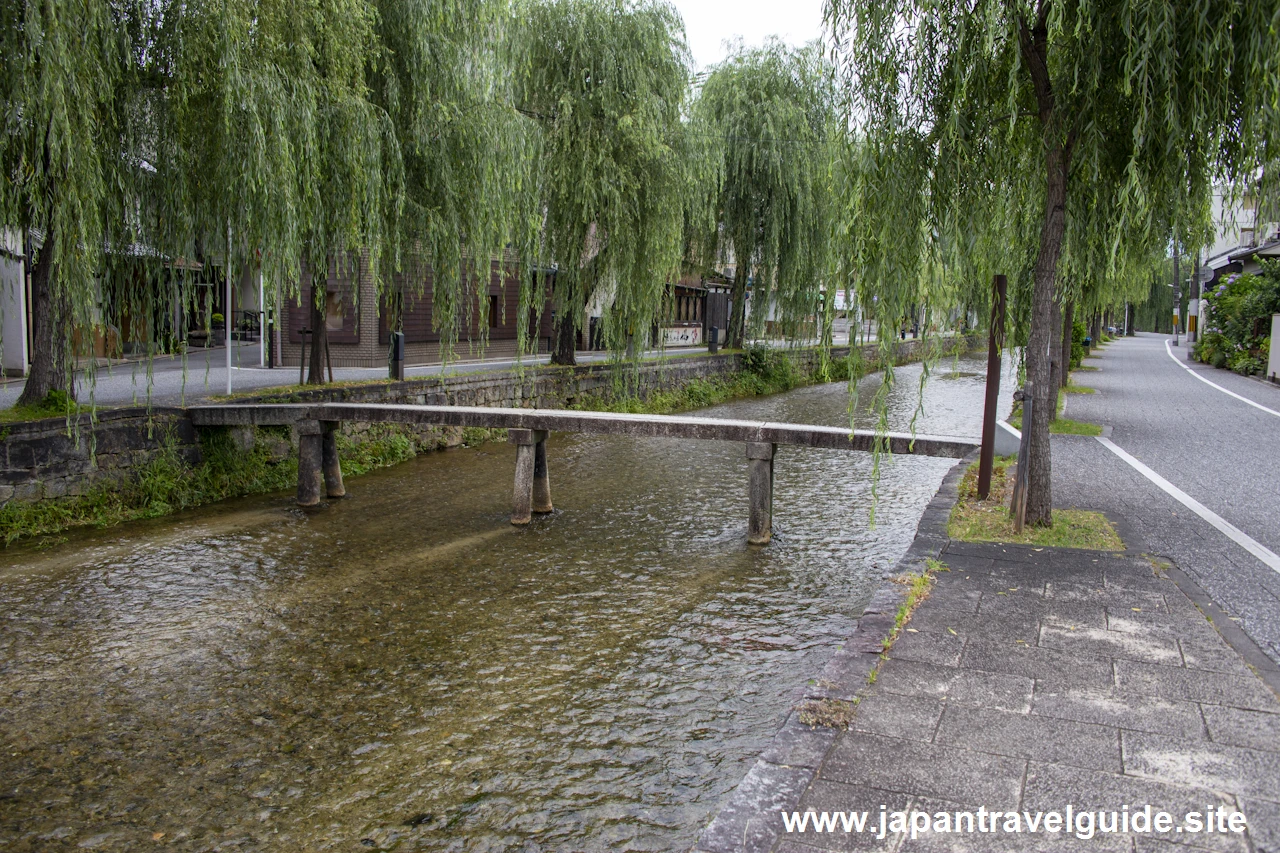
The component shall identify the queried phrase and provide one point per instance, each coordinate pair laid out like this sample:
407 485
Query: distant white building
14 299
1240 240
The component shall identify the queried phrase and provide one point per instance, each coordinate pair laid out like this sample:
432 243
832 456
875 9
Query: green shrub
164 484
1238 320
773 366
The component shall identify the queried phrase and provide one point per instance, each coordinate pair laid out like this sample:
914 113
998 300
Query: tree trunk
738 314
1095 332
319 333
50 332
1044 393
1056 367
1068 335
566 351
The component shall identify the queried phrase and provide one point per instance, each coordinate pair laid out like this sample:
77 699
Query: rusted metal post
541 479
995 342
309 461
526 441
333 485
760 492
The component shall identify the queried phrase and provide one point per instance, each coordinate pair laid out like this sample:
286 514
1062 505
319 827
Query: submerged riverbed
404 670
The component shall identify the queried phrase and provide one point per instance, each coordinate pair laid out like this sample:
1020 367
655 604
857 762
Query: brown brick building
360 322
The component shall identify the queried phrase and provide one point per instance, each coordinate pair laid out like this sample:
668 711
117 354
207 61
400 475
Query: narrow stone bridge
318 461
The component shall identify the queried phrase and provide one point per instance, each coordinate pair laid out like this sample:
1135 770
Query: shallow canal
404 670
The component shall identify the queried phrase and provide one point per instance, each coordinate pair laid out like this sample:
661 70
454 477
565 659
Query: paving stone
971 554
965 624
967 687
949 594
1102 595
1031 661
1179 761
1252 729
1140 575
1054 786
798 745
752 820
1030 608
1146 844
1004 842
827 796
1115 644
1263 819
1144 622
844 676
1113 707
1214 688
1031 736
1002 581
896 715
937 647
1214 655
959 775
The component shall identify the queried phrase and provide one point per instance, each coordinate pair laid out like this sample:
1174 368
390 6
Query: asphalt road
1218 449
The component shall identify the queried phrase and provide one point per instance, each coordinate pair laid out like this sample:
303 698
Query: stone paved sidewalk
1030 679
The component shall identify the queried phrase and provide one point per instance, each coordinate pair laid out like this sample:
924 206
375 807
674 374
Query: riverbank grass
56 405
165 484
973 520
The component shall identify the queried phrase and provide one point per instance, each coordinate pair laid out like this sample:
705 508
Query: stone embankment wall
44 460
47 460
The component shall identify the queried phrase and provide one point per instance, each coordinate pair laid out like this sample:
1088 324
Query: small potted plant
219 330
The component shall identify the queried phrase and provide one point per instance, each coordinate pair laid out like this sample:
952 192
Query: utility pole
1177 292
226 316
1193 304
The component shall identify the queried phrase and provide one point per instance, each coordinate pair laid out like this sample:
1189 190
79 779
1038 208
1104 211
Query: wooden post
526 441
541 479
760 492
302 358
995 341
309 462
1019 508
333 485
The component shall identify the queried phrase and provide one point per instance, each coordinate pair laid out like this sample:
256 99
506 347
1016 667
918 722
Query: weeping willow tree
770 114
272 143
606 81
299 138
65 167
1058 141
469 156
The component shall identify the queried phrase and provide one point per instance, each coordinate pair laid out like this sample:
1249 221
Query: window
334 312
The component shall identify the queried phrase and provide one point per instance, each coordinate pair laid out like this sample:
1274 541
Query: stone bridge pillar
533 486
309 462
760 492
318 462
333 485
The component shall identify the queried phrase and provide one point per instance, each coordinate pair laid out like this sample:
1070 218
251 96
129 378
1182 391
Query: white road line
1216 385
1235 534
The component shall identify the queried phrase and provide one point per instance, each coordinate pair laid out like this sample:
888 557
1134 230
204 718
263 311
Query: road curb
1231 632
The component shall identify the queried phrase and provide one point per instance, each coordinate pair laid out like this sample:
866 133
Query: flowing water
404 670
